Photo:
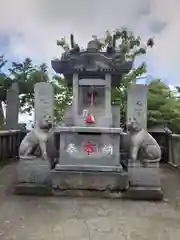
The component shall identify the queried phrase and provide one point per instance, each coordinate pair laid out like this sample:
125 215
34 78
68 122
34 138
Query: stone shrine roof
92 63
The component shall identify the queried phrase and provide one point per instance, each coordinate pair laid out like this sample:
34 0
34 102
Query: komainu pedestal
33 176
144 182
33 169
143 169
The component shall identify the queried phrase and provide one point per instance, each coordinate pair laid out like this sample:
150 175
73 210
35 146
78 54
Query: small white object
85 113
71 148
108 149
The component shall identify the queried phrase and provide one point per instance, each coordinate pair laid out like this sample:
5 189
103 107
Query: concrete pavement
52 218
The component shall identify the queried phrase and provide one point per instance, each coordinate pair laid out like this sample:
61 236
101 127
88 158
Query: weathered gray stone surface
145 182
148 176
35 171
137 104
101 181
12 109
33 177
80 157
44 101
89 219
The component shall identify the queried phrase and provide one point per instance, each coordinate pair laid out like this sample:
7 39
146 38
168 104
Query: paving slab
56 218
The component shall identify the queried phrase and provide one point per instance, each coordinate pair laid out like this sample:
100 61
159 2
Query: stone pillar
137 103
12 108
44 101
75 97
108 98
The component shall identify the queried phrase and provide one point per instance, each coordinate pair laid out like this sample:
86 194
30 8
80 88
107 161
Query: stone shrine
90 151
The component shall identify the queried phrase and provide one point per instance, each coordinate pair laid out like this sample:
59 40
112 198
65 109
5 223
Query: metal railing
11 139
9 144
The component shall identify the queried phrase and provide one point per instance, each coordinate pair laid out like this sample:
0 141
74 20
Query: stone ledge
87 194
138 164
75 129
89 168
99 181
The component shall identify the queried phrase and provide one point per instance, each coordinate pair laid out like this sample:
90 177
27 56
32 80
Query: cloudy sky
31 28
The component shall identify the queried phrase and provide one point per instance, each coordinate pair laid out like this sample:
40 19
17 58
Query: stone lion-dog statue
37 137
142 145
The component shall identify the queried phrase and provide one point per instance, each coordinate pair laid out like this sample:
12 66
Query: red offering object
90 119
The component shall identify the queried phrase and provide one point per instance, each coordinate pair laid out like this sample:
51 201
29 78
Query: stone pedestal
79 170
33 177
74 140
145 183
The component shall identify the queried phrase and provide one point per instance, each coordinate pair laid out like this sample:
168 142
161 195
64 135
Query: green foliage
129 46
163 106
27 75
63 97
4 80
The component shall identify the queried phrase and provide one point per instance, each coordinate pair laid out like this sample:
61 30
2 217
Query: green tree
163 106
27 75
63 97
4 83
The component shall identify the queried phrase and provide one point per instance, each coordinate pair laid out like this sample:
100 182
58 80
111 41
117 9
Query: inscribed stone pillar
12 107
137 103
44 101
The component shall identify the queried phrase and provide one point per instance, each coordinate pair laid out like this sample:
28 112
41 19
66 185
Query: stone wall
174 150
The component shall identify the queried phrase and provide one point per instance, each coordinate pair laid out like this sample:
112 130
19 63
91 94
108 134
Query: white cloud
34 25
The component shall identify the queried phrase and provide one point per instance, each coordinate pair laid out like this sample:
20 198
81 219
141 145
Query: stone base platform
34 177
102 180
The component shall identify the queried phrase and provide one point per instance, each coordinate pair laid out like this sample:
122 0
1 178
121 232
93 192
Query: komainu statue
142 145
37 137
